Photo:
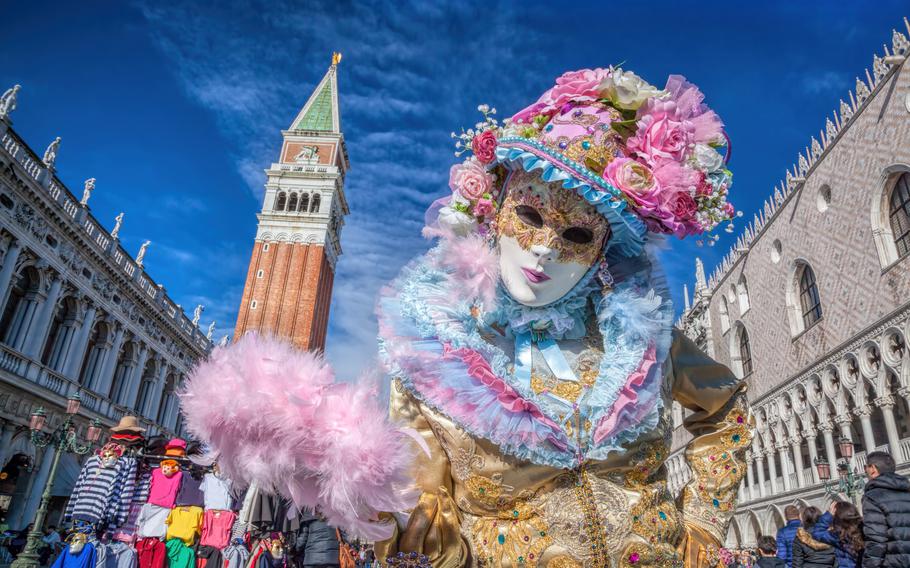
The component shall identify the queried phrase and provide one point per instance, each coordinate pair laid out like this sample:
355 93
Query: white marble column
8 270
6 442
37 333
18 332
103 382
886 403
34 496
750 476
827 431
813 455
865 413
76 354
772 467
62 343
782 451
796 445
155 401
760 468
135 378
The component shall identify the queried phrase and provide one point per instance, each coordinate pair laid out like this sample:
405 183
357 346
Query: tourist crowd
842 537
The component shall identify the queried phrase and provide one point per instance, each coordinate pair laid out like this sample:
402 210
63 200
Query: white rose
706 158
459 223
627 90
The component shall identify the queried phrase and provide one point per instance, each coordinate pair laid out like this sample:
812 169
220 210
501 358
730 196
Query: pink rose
470 179
631 177
703 187
484 207
572 86
682 206
660 138
484 147
729 210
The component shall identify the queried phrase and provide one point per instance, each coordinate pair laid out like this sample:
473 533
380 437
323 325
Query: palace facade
78 315
812 304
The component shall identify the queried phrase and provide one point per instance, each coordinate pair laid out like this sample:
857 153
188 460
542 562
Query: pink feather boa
473 266
274 415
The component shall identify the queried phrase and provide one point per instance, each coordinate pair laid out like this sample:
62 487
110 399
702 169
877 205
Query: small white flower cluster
489 122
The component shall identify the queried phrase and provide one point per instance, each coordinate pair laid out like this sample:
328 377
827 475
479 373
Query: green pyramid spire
320 113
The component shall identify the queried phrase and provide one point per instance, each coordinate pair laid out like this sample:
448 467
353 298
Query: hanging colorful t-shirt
184 523
217 491
190 492
216 528
152 521
163 490
179 555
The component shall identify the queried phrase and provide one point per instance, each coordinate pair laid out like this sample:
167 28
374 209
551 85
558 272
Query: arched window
62 329
292 202
280 201
724 315
125 364
168 400
740 351
745 353
145 387
809 302
304 202
899 214
314 207
742 291
98 344
20 308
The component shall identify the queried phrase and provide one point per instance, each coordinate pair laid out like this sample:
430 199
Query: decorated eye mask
539 213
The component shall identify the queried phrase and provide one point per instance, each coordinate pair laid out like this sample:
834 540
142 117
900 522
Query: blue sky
176 110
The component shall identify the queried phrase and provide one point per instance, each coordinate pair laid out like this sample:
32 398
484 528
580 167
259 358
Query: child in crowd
767 552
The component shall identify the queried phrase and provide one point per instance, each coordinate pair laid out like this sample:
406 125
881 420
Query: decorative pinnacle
336 58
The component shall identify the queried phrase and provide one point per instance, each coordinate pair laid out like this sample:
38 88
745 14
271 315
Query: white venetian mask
548 239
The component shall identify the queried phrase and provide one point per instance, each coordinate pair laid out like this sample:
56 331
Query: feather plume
274 415
474 266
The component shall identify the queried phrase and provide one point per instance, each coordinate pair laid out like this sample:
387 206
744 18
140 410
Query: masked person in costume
532 349
533 360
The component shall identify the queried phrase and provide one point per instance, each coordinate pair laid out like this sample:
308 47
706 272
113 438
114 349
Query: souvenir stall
152 504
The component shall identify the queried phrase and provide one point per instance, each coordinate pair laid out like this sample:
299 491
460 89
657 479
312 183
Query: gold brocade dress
480 507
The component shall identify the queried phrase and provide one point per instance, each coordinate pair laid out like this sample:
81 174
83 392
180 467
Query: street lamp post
849 481
63 440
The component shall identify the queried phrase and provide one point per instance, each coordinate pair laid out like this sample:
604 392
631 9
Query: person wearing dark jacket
317 543
768 553
842 528
787 533
886 512
808 552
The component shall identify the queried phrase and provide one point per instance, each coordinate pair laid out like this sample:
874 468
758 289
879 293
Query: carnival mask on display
169 468
276 549
109 454
549 238
109 459
77 543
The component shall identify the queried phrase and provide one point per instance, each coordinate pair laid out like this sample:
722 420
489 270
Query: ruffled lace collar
563 319
431 341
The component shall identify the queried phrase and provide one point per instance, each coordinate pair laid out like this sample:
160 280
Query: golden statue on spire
336 58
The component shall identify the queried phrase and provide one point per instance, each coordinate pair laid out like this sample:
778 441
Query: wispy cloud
823 82
396 123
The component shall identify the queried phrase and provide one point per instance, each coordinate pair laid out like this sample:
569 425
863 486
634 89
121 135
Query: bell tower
292 269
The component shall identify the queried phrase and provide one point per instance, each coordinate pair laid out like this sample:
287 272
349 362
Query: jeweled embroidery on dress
718 468
515 530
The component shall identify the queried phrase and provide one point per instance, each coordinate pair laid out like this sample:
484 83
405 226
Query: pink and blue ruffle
430 341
